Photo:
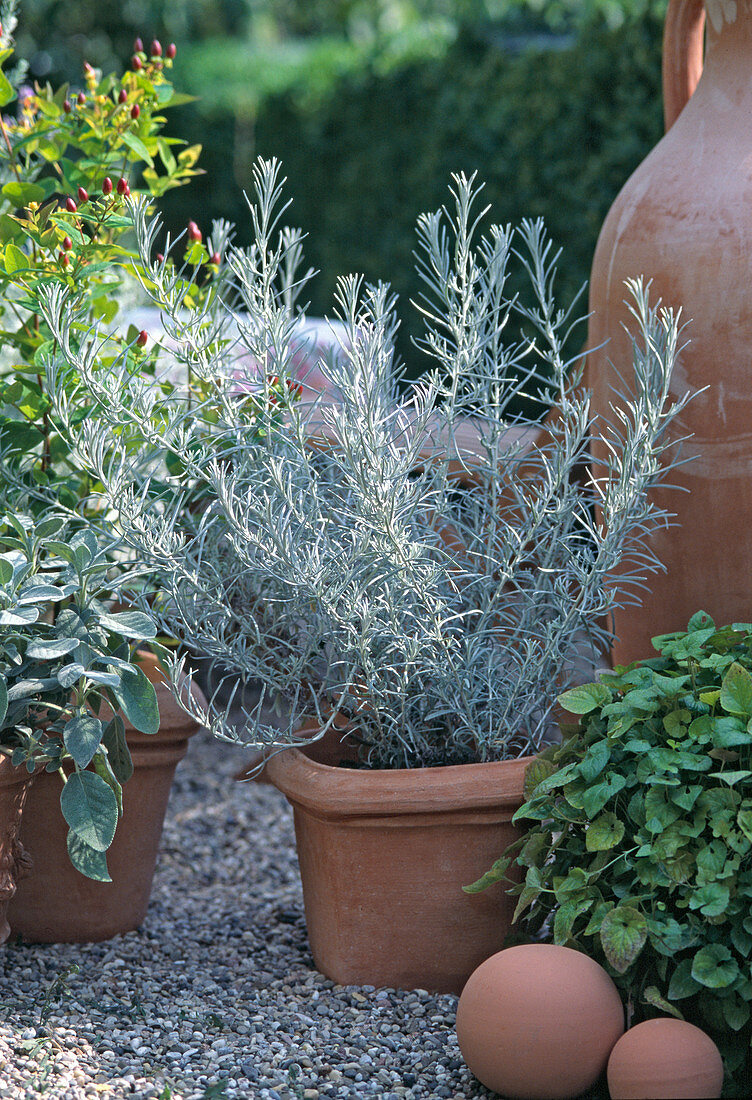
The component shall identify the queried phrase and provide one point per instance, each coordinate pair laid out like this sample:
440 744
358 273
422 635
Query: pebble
216 995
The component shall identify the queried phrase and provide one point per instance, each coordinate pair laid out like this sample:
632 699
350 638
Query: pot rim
336 792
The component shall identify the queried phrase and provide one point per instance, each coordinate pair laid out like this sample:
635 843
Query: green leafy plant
67 166
65 659
638 842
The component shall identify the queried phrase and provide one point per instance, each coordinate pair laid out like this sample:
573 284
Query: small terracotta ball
665 1059
538 1022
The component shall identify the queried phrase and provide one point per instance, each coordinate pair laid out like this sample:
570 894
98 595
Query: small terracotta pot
57 904
14 861
383 859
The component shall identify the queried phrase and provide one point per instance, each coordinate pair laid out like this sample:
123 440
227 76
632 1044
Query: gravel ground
216 995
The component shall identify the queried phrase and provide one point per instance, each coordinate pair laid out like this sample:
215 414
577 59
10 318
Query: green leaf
90 808
52 648
136 145
623 934
585 698
594 761
82 735
736 1012
138 699
744 821
595 798
535 773
712 899
15 259
700 621
118 753
497 873
604 833
21 194
736 691
682 983
566 915
652 996
3 699
715 967
6 90
102 767
731 777
129 624
69 675
87 860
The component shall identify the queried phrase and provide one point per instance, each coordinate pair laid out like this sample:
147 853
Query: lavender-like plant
333 554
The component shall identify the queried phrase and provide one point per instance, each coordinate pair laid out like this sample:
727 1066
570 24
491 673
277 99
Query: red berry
136 63
64 259
122 186
123 95
142 337
106 186
70 205
88 69
216 258
83 194
194 232
81 99
135 110
127 192
160 258
155 50
67 106
138 46
171 50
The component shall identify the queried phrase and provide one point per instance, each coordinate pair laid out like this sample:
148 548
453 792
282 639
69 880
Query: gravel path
216 995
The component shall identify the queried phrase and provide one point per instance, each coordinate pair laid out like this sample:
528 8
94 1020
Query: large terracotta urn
684 221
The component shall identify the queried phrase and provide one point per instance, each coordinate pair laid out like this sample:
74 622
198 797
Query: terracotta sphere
538 1022
665 1059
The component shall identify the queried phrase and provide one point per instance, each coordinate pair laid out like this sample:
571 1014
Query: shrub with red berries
69 163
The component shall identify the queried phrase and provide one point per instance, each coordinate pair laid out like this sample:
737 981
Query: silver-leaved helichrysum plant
410 557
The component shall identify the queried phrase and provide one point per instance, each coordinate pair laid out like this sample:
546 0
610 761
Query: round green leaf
585 698
715 967
604 833
90 808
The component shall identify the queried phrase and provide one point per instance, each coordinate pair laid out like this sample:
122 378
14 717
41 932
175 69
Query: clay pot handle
683 38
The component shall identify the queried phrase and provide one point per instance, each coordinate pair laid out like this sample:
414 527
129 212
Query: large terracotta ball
665 1059
538 1022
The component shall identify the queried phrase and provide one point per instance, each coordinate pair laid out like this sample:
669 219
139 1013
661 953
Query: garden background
371 104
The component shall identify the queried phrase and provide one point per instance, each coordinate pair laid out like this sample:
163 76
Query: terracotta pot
383 859
14 861
684 220
57 904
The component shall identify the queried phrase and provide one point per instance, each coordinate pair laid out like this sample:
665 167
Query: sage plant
360 559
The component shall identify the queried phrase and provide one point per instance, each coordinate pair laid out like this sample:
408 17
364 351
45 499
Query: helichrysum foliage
332 553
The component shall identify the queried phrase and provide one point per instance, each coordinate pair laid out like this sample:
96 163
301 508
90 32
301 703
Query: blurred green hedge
553 130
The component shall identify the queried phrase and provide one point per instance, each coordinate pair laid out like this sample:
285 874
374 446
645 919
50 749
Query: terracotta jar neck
728 50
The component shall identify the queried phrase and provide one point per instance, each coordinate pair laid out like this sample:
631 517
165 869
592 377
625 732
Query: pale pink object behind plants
684 220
